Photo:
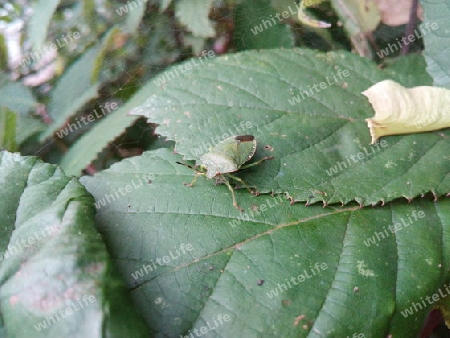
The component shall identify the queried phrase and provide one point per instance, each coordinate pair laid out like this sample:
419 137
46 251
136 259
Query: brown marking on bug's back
244 138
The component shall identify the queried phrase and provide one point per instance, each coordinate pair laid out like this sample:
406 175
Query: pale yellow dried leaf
400 110
305 19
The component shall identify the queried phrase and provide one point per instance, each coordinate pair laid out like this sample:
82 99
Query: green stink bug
228 157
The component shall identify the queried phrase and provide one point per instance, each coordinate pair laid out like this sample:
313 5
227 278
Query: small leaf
78 85
18 102
306 20
40 21
16 96
3 52
359 18
89 11
256 26
400 110
134 17
8 126
194 15
164 5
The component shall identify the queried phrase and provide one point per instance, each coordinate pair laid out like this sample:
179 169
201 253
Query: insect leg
232 195
197 174
240 180
256 163
199 170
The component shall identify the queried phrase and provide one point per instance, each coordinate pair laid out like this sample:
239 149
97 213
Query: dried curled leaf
400 110
306 20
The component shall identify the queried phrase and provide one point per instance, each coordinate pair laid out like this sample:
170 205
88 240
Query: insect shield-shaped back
229 155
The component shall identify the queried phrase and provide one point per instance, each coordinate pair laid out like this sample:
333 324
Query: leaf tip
435 196
374 129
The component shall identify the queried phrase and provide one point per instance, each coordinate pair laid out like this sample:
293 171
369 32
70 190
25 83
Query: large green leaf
56 279
306 109
400 69
277 270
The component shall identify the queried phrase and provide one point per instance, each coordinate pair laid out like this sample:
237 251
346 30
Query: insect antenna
197 168
188 165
